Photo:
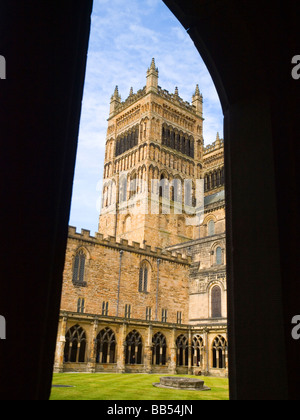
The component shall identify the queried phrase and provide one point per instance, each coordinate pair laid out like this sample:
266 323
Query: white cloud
125 35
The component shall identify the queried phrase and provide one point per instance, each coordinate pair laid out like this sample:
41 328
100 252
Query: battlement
176 99
218 144
163 93
126 246
132 98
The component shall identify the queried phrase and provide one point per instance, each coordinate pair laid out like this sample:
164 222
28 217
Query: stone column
190 369
91 367
206 347
60 346
122 350
148 351
173 357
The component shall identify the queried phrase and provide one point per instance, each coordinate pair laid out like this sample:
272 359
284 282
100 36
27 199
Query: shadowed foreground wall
45 46
248 48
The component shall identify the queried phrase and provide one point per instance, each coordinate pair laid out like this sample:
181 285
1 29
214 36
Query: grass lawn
116 387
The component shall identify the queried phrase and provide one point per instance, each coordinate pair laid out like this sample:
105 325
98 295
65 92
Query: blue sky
125 36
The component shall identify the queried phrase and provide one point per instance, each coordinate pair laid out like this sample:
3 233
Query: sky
125 36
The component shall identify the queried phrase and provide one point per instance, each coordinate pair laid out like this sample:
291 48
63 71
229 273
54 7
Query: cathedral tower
153 164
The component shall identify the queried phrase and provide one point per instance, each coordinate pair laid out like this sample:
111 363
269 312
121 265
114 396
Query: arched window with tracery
106 346
79 268
134 348
144 277
216 302
75 346
182 345
219 350
159 349
198 351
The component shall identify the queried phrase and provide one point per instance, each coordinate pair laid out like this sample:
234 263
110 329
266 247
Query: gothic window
219 258
79 268
128 141
134 348
105 308
144 277
216 302
211 228
159 349
198 351
75 346
80 305
106 346
128 311
182 350
219 350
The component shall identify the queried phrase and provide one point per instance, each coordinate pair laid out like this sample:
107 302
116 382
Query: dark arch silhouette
248 49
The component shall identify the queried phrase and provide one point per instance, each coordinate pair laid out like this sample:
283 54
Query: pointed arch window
106 346
198 351
182 350
219 350
159 349
79 268
75 346
134 348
